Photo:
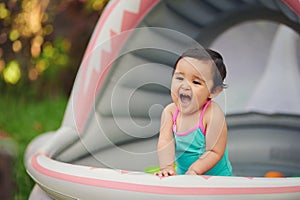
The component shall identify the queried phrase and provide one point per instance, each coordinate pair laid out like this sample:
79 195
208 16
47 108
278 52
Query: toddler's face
191 84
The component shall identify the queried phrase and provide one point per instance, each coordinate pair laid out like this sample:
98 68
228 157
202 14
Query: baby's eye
197 82
179 78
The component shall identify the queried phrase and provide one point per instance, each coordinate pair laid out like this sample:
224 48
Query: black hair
206 55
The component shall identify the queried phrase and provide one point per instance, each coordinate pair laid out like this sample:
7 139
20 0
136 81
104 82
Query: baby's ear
217 90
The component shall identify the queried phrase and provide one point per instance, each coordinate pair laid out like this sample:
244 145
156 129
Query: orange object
274 174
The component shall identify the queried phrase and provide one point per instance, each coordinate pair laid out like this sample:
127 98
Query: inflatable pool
109 133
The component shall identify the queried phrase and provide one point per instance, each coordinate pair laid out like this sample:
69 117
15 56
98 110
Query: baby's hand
166 172
191 172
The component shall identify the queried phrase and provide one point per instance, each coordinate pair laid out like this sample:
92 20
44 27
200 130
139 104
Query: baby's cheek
210 85
174 97
173 91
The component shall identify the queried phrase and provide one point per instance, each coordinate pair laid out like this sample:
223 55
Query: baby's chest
195 139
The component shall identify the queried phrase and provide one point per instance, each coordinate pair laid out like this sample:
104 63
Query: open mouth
185 99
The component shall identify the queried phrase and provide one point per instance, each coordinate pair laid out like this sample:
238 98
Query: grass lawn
23 120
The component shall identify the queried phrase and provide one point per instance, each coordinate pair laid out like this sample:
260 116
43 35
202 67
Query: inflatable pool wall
109 133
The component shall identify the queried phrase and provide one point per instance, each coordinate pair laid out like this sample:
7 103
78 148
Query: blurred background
41 47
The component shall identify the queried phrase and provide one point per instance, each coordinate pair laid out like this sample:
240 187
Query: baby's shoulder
170 109
214 108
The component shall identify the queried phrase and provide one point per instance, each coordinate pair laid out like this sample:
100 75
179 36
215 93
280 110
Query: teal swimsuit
191 145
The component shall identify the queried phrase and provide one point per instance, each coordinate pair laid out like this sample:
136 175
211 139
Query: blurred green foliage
24 120
42 43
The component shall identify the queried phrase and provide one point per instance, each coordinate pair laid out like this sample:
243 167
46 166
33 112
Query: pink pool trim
294 5
157 189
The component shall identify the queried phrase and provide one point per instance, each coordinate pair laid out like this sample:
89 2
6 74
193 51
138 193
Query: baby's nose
185 85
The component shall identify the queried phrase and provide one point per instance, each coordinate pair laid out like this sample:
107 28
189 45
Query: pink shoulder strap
175 116
201 117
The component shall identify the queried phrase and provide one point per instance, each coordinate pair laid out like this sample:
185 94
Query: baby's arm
216 139
166 144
